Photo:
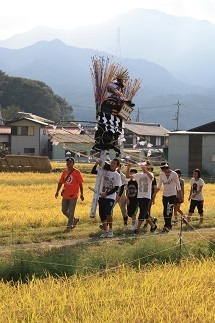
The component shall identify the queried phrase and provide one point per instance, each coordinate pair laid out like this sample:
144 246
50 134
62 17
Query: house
75 142
5 136
145 140
151 134
72 141
36 136
29 135
192 149
80 143
208 127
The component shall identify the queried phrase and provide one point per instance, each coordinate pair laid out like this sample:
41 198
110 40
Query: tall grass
96 255
158 293
27 201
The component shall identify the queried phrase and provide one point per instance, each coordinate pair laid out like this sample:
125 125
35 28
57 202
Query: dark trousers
168 202
143 204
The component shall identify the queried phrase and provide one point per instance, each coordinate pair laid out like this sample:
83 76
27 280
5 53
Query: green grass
85 256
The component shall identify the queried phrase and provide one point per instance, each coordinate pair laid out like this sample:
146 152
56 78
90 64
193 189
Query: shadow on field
97 255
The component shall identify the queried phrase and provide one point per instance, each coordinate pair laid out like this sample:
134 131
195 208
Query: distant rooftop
148 129
5 130
207 127
31 117
69 135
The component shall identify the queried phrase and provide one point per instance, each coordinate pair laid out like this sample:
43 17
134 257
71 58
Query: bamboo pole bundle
131 88
102 73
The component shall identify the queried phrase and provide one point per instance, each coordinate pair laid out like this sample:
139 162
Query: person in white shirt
111 181
196 195
144 180
170 181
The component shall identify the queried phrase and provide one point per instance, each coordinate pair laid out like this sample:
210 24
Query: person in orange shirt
72 180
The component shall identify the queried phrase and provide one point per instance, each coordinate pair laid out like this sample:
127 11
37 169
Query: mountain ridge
183 45
66 69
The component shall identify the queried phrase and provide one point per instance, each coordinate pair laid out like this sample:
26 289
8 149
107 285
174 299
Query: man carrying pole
111 181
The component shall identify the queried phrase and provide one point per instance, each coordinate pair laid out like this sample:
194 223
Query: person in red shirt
72 180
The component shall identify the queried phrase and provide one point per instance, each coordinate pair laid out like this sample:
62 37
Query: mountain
184 46
66 69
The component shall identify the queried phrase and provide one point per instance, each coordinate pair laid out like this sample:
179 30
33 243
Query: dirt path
48 245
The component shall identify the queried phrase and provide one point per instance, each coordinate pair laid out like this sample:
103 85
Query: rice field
118 292
161 293
28 201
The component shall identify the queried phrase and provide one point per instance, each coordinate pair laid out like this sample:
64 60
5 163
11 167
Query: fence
23 163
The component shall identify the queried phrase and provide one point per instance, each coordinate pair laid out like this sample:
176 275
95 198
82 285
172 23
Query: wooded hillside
21 94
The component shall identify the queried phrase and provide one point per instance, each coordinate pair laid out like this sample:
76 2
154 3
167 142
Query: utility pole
177 115
138 115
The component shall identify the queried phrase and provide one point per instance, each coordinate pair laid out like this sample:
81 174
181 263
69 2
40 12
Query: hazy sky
21 15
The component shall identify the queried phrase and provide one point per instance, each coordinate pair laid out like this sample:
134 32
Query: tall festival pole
113 92
97 184
102 73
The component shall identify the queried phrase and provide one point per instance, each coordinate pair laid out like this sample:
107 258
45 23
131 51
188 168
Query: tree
9 112
66 110
32 96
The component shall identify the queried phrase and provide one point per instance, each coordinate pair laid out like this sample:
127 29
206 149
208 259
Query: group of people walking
134 191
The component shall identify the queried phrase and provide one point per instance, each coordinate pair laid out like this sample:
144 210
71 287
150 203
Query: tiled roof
4 130
207 127
63 131
149 129
72 136
31 117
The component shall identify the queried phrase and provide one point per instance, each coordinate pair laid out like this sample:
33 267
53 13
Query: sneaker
104 235
132 228
154 220
175 222
136 231
110 233
153 228
76 220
